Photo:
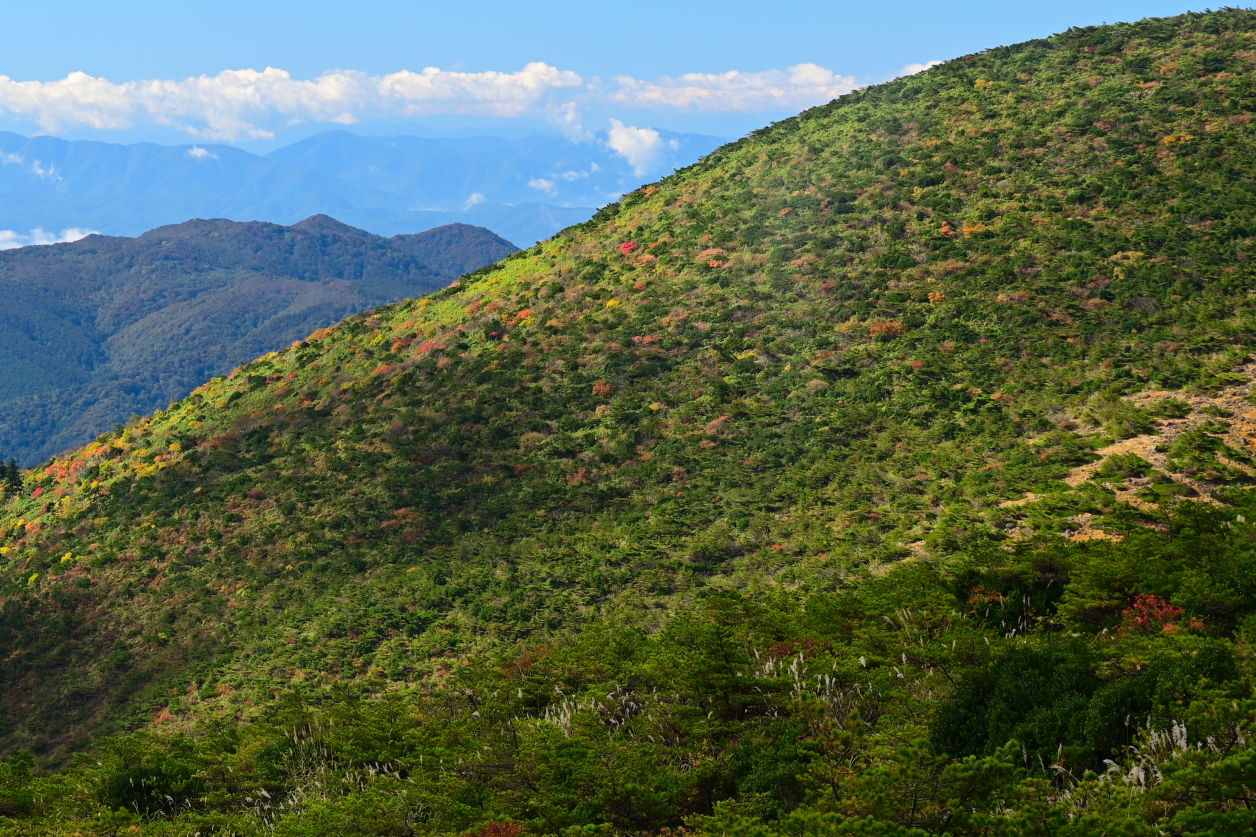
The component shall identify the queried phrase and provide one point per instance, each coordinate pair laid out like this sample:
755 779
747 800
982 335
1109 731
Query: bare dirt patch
1152 447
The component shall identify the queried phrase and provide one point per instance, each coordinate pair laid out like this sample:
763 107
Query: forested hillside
885 473
105 328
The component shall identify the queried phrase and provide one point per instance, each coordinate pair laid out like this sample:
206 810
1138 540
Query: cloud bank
235 104
247 104
801 86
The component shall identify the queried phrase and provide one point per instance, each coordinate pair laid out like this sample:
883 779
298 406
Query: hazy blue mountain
447 172
105 327
524 189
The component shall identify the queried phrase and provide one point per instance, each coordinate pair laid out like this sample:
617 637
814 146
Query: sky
261 74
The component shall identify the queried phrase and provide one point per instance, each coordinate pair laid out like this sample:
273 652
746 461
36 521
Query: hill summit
105 328
883 473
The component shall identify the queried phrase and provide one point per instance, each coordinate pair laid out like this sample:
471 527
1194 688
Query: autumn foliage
886 329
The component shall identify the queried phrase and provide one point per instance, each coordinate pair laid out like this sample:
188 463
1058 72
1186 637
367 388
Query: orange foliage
887 329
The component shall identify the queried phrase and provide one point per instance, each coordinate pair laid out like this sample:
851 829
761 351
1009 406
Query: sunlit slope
839 343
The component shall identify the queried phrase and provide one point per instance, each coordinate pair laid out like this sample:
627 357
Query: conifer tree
12 479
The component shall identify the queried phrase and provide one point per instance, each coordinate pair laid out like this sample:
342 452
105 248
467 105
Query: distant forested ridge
103 328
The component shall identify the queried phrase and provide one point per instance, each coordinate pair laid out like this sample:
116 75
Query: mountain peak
326 225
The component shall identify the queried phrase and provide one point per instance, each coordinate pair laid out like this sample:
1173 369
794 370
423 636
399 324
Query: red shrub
1149 615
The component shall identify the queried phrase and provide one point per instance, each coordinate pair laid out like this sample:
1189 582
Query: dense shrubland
748 507
1064 687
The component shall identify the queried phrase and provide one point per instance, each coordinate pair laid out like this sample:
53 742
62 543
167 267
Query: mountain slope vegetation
105 328
753 506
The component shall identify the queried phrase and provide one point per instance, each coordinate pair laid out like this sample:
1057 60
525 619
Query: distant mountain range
103 328
524 189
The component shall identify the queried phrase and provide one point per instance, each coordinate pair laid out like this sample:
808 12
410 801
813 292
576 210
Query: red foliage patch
1149 615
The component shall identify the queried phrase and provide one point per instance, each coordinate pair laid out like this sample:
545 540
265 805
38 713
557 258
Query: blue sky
163 71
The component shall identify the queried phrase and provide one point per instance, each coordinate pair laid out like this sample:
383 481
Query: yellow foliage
1126 257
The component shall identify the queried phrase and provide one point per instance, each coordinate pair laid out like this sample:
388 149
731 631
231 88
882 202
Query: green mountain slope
104 328
784 496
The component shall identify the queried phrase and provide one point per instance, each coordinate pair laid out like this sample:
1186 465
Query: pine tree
12 479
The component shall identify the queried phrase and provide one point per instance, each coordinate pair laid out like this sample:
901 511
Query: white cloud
475 200
230 105
801 86
912 69
566 118
35 168
542 184
641 147
50 173
248 104
10 239
198 153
